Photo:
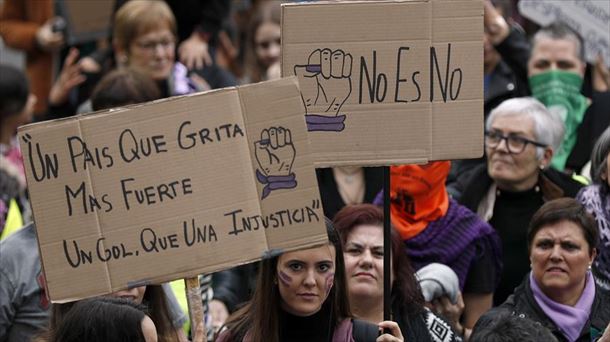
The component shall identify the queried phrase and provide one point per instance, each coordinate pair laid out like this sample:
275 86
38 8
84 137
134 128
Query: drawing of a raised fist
325 83
275 155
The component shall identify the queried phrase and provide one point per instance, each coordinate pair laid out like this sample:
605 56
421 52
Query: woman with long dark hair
301 296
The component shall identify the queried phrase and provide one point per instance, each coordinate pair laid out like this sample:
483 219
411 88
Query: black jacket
554 184
523 304
509 78
235 286
331 199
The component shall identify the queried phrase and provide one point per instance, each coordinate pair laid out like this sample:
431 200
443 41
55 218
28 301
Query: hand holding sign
275 155
325 86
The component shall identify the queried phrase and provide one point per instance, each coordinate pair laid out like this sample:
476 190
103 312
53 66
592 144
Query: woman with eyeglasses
521 136
144 39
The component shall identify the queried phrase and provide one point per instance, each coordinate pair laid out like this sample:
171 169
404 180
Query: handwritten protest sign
590 18
388 82
172 188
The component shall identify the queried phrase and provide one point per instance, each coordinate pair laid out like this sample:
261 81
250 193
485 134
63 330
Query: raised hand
70 77
494 24
194 52
325 83
275 155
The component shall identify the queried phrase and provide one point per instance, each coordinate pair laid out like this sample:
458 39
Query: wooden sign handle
193 297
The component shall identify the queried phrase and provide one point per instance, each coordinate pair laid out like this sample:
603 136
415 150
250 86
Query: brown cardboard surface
86 20
245 190
366 71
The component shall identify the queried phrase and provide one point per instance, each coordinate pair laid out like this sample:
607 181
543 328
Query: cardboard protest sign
172 188
590 18
388 82
86 21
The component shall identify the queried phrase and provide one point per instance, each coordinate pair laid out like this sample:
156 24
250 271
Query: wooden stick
387 246
193 297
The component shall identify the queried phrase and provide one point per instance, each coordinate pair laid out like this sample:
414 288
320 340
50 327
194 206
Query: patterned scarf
596 199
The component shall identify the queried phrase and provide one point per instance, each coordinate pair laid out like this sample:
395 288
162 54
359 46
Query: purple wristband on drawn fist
317 123
275 182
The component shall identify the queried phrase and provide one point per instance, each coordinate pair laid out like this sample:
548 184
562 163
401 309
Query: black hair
564 209
511 328
102 319
560 30
14 91
259 318
122 87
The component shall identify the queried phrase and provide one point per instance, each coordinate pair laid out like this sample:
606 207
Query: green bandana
559 91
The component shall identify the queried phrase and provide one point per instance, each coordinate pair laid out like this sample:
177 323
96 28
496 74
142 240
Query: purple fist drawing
275 155
325 83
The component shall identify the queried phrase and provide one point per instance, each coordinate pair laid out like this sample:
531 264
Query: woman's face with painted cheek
305 279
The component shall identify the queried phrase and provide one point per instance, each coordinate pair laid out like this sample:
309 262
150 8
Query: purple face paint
285 279
330 280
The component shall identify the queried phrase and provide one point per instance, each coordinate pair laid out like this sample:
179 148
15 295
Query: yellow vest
14 220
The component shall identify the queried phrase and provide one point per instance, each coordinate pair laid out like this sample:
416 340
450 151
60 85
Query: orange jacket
19 21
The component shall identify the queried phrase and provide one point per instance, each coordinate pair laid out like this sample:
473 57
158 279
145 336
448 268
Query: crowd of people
514 246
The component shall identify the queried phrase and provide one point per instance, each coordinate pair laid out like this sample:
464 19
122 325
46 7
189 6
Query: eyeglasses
151 46
514 143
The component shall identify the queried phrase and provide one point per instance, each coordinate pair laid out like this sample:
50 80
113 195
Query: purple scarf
317 123
275 182
570 320
343 331
452 240
182 83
